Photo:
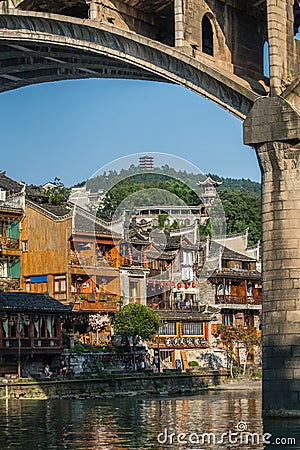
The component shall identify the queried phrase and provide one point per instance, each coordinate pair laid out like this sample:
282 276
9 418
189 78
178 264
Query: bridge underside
23 63
35 49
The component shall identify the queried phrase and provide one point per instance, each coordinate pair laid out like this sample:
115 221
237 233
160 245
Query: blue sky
71 129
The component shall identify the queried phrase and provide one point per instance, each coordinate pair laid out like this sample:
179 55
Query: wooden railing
172 305
9 243
83 304
28 343
241 300
91 262
9 283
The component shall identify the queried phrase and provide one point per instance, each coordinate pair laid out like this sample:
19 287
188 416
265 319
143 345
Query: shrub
79 348
256 374
193 363
235 372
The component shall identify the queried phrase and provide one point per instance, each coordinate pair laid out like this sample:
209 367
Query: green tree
240 197
161 220
59 194
242 210
205 229
136 322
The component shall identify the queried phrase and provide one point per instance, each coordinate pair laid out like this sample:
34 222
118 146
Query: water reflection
129 424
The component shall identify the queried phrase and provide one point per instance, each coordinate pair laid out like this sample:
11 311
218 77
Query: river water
215 420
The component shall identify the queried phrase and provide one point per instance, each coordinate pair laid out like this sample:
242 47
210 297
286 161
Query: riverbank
240 385
112 386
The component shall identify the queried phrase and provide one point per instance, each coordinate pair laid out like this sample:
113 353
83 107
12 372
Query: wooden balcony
234 300
99 267
171 305
99 263
9 284
10 246
30 345
9 243
87 304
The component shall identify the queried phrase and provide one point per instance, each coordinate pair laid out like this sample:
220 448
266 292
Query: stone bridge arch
40 47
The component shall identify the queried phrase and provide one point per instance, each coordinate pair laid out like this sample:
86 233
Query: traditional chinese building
238 290
73 257
146 162
30 331
12 203
209 191
235 285
172 292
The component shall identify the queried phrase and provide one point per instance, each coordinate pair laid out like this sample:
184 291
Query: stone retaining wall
107 387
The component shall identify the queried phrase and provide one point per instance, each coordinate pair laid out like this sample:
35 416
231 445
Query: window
2 195
38 283
60 285
24 246
13 268
192 328
207 36
227 319
266 61
27 285
168 329
187 258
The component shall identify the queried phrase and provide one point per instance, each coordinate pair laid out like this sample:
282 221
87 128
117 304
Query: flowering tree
231 337
98 321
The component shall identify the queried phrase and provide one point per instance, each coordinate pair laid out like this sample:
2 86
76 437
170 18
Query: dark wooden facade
30 325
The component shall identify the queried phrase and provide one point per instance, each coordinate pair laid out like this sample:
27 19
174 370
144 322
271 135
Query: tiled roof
57 210
28 301
7 184
10 209
235 256
205 313
209 181
89 225
35 193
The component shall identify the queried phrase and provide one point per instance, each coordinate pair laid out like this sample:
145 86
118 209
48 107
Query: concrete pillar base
275 121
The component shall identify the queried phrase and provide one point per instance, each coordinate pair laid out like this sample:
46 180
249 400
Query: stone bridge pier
273 129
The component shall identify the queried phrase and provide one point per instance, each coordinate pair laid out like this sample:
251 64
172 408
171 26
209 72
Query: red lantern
147 281
186 285
179 286
161 284
145 259
153 282
168 283
173 284
193 284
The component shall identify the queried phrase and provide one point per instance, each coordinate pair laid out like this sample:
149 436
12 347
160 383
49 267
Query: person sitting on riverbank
47 371
63 369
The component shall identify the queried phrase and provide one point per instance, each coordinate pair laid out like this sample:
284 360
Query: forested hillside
240 197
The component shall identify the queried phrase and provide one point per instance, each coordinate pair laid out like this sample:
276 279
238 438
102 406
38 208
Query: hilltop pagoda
209 190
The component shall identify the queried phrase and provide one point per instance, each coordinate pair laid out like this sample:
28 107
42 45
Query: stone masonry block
271 132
